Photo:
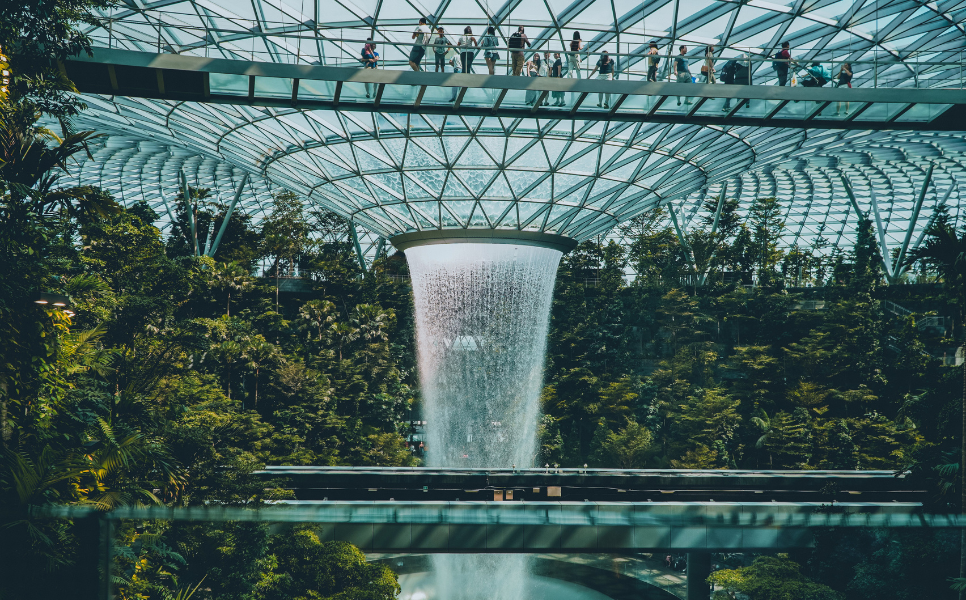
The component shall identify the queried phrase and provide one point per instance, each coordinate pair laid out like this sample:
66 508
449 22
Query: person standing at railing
707 69
653 61
573 58
517 42
844 80
490 56
421 37
465 42
606 67
440 46
556 70
370 60
533 67
780 64
681 72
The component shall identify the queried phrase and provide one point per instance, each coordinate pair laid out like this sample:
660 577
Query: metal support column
886 264
899 268
193 242
699 569
680 234
714 230
355 241
932 217
231 209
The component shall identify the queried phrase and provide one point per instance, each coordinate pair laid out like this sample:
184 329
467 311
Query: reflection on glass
221 83
273 87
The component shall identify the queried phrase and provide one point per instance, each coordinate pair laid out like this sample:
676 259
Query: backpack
728 71
515 41
740 74
777 64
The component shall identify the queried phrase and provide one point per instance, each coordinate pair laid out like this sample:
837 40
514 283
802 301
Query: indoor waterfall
482 313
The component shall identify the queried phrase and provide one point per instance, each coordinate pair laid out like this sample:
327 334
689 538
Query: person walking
490 56
517 42
467 41
556 70
421 37
681 72
606 67
781 63
370 60
573 57
653 61
707 69
735 72
440 47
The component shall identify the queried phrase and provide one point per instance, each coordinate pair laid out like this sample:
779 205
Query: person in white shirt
421 35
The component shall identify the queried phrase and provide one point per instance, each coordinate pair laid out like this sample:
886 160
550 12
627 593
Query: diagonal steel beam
231 209
189 210
899 268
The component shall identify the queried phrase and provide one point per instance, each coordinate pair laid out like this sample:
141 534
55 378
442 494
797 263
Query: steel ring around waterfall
483 236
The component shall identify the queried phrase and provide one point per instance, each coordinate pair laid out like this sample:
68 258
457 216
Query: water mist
482 313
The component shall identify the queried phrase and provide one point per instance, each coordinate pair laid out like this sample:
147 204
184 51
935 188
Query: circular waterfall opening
424 586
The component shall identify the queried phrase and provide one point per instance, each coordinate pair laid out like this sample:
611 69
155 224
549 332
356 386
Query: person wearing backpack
517 42
735 72
782 59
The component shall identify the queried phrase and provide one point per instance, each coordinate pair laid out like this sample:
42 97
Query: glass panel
273 87
674 105
399 94
480 97
839 111
440 95
515 99
923 113
797 109
758 108
356 90
235 85
632 104
880 111
714 107
310 89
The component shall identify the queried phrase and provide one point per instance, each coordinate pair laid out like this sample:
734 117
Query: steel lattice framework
395 173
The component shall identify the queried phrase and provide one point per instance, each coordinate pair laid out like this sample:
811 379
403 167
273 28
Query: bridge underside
560 527
238 82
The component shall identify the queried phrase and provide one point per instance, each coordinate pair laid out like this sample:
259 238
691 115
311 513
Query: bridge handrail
878 72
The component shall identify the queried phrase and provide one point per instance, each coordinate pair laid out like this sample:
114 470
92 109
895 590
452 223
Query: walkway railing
293 43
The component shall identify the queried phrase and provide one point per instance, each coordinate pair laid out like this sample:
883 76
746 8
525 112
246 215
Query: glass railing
294 43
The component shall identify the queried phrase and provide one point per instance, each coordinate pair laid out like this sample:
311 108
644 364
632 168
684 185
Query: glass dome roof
396 173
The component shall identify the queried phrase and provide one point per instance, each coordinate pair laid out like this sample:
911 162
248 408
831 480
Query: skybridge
418 484
182 78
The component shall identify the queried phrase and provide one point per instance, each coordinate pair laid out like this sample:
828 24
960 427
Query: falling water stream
482 313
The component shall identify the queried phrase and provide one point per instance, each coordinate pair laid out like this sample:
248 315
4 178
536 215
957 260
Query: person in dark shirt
781 65
606 68
556 70
681 72
370 60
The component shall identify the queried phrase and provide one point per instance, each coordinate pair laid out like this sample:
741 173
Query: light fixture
58 300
